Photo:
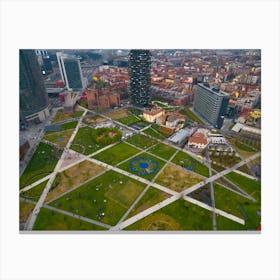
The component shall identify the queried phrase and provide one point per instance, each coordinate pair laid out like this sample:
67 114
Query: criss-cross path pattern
127 218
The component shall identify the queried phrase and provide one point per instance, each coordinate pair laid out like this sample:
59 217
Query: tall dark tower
33 95
139 68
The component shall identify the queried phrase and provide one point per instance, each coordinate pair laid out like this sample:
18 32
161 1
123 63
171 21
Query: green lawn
244 147
52 220
253 188
76 114
69 125
250 186
150 198
41 164
25 210
64 126
228 201
179 215
111 193
135 111
227 224
117 153
35 192
183 159
128 120
163 151
60 138
153 133
187 112
60 116
141 141
126 166
89 140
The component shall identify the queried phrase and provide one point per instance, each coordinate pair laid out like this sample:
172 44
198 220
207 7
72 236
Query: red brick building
103 99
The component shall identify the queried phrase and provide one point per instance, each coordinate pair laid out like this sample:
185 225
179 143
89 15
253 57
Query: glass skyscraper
211 104
70 70
33 95
139 67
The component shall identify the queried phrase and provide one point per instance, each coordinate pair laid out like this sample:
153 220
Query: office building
139 67
211 104
71 72
33 96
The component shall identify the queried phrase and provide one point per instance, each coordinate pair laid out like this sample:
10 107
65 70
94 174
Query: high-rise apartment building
33 96
211 104
71 72
139 67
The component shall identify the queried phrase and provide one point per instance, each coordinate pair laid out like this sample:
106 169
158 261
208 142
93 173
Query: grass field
128 120
162 150
253 188
163 133
111 193
153 133
187 112
34 193
179 215
117 153
141 141
88 140
41 164
228 201
150 198
64 126
60 116
51 220
126 166
60 138
76 114
250 186
176 178
227 224
25 210
93 119
183 159
135 111
72 177
118 114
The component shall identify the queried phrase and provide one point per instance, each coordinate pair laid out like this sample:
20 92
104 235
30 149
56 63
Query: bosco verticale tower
139 77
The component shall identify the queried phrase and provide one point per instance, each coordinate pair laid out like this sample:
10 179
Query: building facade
102 99
211 104
139 67
71 72
33 96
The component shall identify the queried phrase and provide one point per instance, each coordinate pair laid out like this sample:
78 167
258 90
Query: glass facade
33 96
73 74
211 104
139 68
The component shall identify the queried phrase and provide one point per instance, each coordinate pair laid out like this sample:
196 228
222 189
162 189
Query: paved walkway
29 225
121 225
77 216
214 210
179 195
146 189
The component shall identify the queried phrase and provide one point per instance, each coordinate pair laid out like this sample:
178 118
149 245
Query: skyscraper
211 104
71 72
139 67
33 96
